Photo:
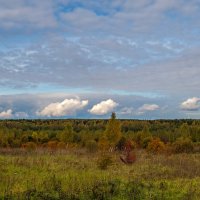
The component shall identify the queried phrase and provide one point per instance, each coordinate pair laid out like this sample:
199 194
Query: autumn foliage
156 146
177 136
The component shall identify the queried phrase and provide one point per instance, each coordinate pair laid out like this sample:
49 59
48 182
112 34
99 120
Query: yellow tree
113 131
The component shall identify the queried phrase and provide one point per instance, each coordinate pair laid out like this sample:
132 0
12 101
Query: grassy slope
75 175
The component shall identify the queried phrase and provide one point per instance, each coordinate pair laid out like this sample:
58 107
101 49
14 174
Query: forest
100 159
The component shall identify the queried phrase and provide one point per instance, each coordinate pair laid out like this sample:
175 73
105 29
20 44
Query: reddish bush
156 146
129 145
129 159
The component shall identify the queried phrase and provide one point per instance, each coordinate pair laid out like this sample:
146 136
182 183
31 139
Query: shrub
129 159
156 146
183 145
126 144
129 145
146 141
91 146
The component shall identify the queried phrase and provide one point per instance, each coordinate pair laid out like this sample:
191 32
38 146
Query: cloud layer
144 52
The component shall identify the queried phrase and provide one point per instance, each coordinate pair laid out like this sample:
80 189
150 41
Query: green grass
76 175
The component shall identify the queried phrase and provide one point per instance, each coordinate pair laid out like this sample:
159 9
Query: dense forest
100 134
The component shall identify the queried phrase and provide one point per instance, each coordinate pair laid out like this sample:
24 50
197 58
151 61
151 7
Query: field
100 159
76 174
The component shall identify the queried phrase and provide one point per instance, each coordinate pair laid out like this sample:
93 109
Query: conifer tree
113 131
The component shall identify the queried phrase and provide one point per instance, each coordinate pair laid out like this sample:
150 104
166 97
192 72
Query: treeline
99 134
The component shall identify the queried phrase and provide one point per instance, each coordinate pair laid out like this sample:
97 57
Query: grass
75 174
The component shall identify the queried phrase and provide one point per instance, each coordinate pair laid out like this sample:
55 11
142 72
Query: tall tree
113 131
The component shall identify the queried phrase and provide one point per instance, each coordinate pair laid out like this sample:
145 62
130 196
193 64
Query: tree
67 135
113 131
184 130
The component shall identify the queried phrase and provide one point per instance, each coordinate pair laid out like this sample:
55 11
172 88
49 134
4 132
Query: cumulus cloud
191 104
103 107
148 107
66 107
6 114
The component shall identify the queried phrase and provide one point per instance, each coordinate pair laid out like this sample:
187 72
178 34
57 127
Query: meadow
77 174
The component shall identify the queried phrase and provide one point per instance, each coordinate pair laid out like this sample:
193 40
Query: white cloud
66 107
148 107
191 104
103 107
6 114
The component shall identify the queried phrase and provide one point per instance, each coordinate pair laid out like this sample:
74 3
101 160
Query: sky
88 58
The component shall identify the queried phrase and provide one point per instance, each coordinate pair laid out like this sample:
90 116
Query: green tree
67 135
184 130
113 131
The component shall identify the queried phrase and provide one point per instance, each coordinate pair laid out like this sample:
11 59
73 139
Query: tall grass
75 174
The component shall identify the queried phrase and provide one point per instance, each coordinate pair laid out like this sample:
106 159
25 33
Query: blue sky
85 59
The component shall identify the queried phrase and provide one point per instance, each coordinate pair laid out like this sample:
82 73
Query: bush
146 141
126 144
156 146
91 146
183 145
129 159
129 145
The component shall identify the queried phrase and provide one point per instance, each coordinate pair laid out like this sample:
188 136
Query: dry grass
21 171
